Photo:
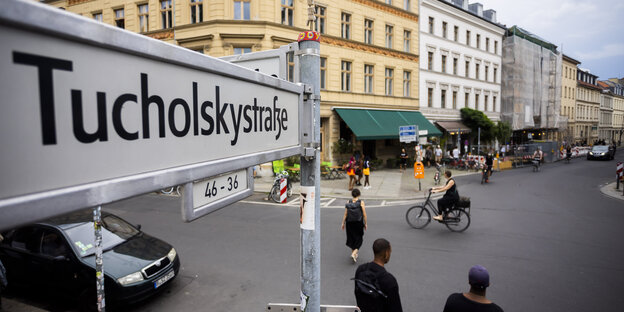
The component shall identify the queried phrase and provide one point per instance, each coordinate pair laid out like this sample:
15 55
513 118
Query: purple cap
478 276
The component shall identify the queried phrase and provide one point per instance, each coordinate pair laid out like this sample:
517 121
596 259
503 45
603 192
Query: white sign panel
408 133
80 118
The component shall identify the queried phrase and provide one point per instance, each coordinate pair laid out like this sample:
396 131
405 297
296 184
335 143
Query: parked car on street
58 255
601 152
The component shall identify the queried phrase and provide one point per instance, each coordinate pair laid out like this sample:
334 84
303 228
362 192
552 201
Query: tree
502 132
475 119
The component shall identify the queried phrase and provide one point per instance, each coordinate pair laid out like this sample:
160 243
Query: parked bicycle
275 192
457 219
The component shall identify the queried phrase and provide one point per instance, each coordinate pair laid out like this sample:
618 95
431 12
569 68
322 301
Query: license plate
164 279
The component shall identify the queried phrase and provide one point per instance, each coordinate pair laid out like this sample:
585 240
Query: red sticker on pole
309 36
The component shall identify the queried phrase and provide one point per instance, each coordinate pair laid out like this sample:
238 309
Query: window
430 61
407 81
345 29
487 44
466 99
166 14
486 105
143 18
241 10
239 51
476 103
120 18
389 80
323 72
495 72
444 63
443 99
97 16
454 99
454 66
407 37
368 78
477 71
444 28
290 57
486 72
319 23
467 68
287 12
368 31
406 5
467 37
389 31
478 41
389 2
455 33
345 76
429 97
197 11
431 25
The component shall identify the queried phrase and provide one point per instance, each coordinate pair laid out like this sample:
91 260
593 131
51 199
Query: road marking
329 202
383 203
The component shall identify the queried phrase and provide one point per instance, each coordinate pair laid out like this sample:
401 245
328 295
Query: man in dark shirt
475 300
386 282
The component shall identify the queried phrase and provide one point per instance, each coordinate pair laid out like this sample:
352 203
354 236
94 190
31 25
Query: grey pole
311 174
479 142
99 270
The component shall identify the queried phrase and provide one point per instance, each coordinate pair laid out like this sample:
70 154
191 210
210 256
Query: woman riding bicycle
450 198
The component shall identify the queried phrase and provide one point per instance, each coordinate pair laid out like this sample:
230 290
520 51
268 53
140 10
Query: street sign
92 114
208 195
271 62
408 134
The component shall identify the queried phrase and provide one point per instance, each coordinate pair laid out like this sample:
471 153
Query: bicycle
169 190
457 219
568 158
275 192
536 165
438 173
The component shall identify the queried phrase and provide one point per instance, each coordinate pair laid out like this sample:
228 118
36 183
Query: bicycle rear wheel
417 217
275 194
457 220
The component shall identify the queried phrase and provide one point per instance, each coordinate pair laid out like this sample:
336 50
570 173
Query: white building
460 60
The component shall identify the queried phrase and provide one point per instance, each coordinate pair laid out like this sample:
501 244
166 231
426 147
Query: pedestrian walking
438 154
428 156
474 300
355 221
350 168
376 290
403 157
366 170
358 171
456 153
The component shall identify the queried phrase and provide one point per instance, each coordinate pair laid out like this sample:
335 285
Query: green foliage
475 119
342 146
502 132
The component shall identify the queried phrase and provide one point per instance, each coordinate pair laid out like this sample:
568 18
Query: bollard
283 190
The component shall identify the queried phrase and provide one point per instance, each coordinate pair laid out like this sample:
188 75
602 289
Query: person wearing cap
474 300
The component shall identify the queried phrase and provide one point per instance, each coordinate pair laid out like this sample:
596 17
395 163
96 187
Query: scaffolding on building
531 84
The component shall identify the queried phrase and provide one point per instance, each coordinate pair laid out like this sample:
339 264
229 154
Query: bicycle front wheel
275 194
457 220
418 217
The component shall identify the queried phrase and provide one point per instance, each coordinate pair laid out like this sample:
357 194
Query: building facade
460 65
369 49
568 96
613 93
587 107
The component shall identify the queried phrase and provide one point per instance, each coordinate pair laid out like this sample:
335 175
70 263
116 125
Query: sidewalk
610 191
385 184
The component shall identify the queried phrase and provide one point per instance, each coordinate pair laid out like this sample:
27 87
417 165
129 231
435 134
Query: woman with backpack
355 221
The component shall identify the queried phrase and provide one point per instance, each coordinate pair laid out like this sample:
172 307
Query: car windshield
114 232
600 148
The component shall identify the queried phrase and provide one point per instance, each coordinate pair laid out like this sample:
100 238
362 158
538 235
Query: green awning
377 124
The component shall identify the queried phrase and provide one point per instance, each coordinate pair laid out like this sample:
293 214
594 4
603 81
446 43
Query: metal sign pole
99 270
309 49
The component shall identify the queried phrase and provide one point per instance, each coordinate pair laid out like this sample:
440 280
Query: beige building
568 95
612 108
369 50
587 108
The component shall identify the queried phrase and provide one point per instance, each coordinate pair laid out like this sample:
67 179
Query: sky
590 31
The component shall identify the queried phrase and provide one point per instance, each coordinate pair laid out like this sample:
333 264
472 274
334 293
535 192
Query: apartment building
369 53
612 98
587 107
568 95
461 49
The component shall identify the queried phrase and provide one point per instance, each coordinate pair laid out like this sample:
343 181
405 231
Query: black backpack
354 211
367 288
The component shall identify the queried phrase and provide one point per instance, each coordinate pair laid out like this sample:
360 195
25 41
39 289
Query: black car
601 152
58 255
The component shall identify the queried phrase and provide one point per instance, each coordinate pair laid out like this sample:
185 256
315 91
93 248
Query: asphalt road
551 241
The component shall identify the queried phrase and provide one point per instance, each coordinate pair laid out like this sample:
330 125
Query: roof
571 60
603 85
525 34
588 85
379 124
475 15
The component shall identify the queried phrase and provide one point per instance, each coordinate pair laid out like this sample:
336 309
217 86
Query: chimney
476 8
462 4
490 15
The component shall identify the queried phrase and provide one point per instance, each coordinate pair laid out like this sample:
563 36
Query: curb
609 190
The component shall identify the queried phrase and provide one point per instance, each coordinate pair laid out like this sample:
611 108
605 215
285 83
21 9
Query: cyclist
537 157
450 198
489 163
568 152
